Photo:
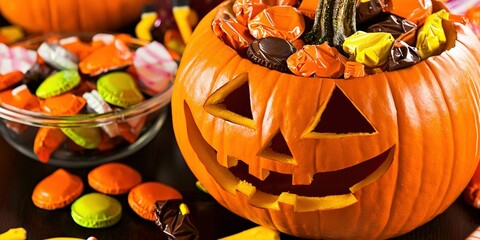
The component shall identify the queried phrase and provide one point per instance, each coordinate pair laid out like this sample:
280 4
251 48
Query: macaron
142 198
58 83
88 138
57 190
114 178
119 88
96 210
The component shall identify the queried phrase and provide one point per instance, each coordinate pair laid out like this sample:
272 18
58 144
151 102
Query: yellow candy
119 88
88 138
370 49
256 233
14 234
142 30
431 37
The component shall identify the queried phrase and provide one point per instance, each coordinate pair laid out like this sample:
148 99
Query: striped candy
475 235
16 59
155 67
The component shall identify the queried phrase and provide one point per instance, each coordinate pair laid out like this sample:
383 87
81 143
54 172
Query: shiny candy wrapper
414 10
246 10
399 28
173 218
229 30
284 22
368 10
354 70
431 37
361 49
402 55
318 60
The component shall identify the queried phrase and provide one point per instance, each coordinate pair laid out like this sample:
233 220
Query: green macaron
119 89
96 210
58 83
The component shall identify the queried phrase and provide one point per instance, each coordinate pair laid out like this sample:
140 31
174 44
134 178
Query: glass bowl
19 127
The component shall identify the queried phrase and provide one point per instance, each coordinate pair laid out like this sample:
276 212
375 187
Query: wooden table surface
160 160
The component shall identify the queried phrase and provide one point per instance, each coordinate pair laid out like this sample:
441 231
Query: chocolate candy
393 25
173 218
402 55
271 52
36 75
413 10
368 10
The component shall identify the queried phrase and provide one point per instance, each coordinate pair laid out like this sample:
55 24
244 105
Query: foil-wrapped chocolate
271 52
354 70
396 26
317 60
279 21
402 55
431 38
367 10
174 219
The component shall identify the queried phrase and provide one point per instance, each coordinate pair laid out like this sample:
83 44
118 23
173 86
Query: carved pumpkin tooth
302 179
231 161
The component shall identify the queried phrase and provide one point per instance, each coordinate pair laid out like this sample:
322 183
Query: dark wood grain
161 161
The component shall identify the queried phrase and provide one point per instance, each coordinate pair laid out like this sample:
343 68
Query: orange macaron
57 190
114 178
142 198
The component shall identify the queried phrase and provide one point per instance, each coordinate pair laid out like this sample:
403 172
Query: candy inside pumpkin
260 140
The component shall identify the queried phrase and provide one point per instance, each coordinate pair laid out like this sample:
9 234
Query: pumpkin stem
334 21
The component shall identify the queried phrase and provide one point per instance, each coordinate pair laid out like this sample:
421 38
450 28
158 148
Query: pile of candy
67 76
152 201
333 38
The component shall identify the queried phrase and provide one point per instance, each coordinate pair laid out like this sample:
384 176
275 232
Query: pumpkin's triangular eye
277 149
339 117
232 102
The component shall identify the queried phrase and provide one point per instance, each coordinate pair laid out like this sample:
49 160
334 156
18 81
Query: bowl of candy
77 100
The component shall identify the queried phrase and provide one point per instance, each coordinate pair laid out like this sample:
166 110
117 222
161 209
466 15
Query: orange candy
57 190
142 198
10 79
114 178
354 70
284 22
47 141
65 104
112 56
414 10
318 60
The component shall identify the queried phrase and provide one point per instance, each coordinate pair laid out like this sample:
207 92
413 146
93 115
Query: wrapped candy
402 55
173 218
431 37
229 30
354 70
370 49
414 10
368 10
280 21
318 60
399 28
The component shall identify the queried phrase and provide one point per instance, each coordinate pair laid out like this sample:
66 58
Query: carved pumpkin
367 158
72 15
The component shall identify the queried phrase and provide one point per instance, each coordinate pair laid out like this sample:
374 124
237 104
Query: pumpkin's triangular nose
340 116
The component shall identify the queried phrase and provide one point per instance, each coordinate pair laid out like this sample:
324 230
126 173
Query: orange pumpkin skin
427 115
43 16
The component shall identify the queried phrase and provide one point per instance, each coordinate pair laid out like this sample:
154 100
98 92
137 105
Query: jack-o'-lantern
369 158
72 15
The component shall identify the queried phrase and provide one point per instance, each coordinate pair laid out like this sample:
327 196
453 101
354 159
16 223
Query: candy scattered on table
256 233
114 178
142 198
174 219
14 234
57 190
96 210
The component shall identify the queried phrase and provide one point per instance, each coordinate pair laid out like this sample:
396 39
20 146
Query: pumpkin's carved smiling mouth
328 190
